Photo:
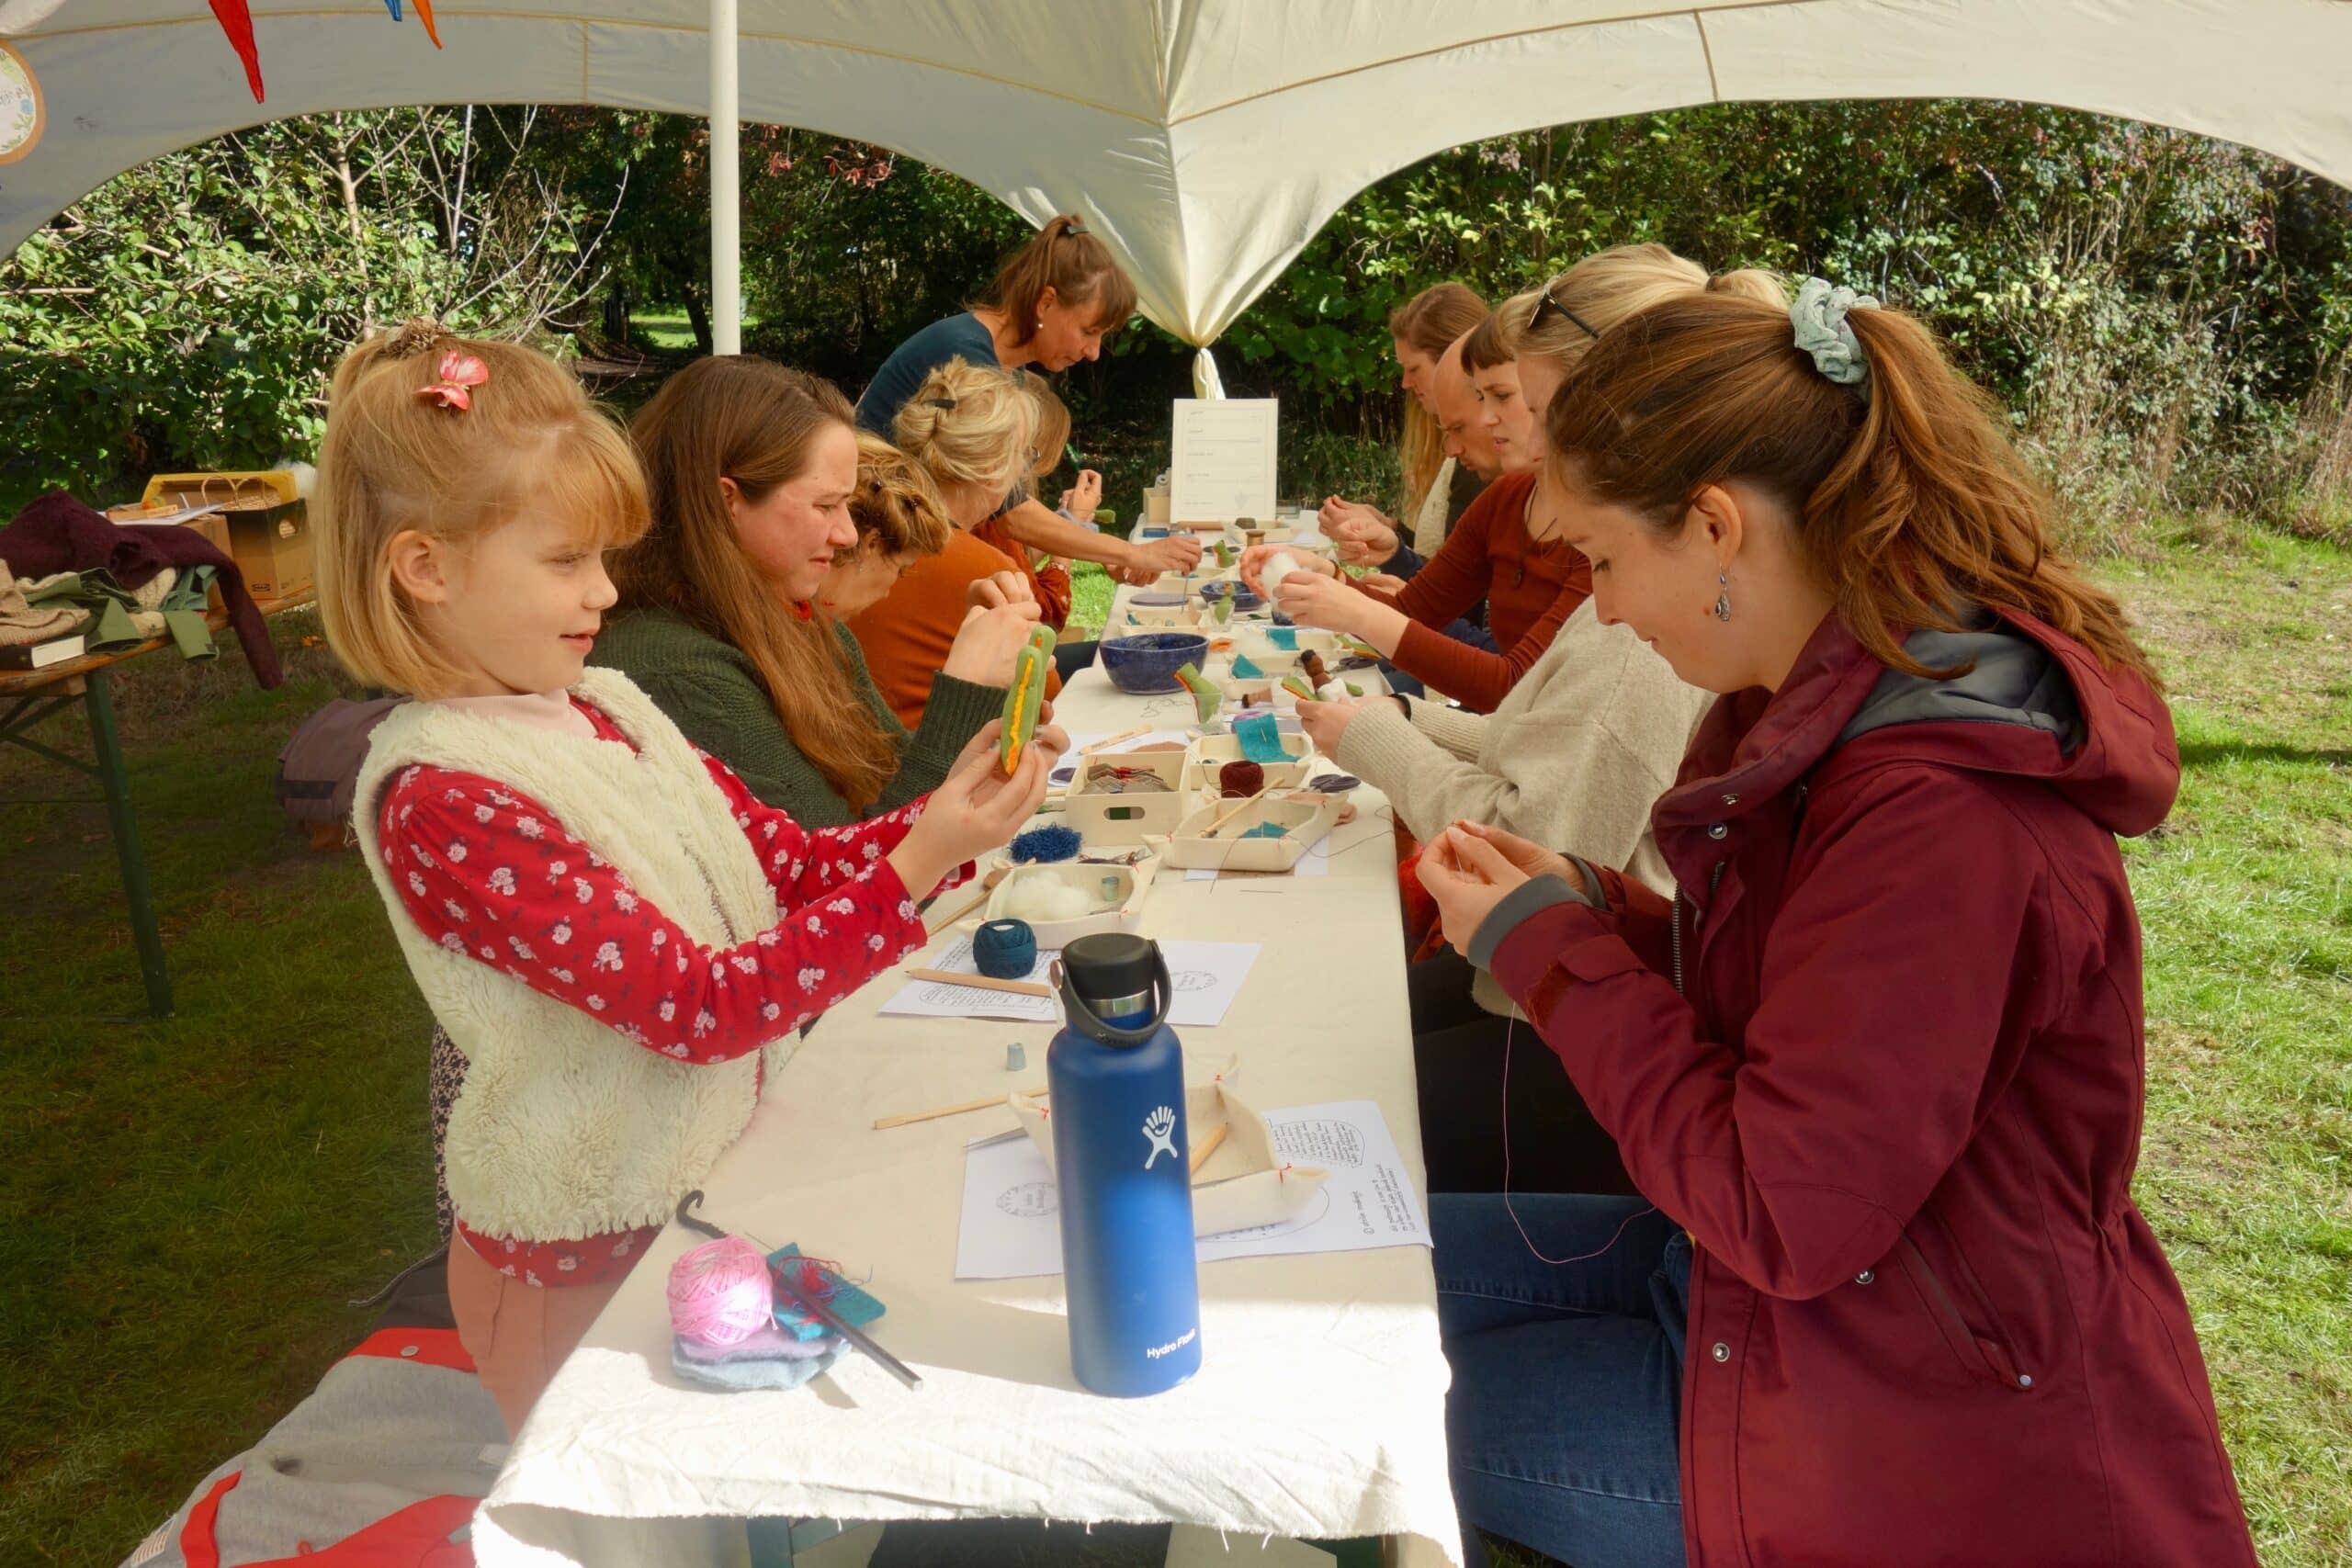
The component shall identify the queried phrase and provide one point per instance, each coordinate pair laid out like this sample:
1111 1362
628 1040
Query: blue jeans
1566 1378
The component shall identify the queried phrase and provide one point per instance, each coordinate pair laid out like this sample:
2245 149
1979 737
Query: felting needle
816 1309
849 1331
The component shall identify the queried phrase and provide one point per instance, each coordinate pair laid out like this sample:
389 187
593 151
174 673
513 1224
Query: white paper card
1224 462
1208 976
1011 1225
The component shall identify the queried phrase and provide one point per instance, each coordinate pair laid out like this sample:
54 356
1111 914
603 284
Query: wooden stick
982 982
1209 1145
988 885
936 1111
1110 740
1210 831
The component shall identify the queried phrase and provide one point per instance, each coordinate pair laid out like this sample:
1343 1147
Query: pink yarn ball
721 1293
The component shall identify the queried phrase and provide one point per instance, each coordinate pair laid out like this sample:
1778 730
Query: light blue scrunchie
1819 318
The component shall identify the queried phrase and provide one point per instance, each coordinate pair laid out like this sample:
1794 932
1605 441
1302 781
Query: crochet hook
814 1308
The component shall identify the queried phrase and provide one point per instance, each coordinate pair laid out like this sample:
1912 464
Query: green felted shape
1206 698
1299 688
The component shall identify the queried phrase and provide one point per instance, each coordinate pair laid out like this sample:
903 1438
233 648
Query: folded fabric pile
22 621
734 1329
63 556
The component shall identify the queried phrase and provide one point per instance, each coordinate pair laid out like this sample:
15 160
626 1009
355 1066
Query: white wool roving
1279 566
1041 899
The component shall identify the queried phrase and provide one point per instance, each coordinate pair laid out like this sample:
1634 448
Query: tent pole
726 186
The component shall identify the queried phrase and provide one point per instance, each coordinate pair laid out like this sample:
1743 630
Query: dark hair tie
948 403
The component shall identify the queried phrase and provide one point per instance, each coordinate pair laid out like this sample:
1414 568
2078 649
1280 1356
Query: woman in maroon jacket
1879 1065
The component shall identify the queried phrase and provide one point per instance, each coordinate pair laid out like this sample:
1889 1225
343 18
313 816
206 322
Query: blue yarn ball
1004 950
1044 845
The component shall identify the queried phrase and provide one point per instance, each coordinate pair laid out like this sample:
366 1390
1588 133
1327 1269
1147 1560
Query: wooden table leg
144 931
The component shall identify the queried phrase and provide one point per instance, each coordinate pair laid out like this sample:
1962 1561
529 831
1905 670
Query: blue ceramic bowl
1244 601
1145 664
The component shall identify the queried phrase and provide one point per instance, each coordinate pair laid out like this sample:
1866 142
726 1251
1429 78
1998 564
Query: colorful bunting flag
238 23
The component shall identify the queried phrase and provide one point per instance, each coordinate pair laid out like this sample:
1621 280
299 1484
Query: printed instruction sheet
1223 462
1011 1225
1208 976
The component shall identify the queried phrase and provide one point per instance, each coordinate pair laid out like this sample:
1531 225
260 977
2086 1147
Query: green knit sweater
713 692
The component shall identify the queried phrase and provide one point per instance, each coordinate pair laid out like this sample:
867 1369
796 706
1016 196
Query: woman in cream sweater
1574 756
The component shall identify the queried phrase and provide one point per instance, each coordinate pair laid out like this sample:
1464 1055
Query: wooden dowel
988 885
1110 740
982 982
1209 1145
1210 831
936 1111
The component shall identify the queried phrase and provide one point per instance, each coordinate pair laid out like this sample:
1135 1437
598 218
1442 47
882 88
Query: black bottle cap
1112 965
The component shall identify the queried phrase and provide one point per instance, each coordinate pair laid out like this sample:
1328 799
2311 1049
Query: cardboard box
264 526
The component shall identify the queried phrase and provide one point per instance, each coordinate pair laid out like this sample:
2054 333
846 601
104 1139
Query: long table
1318 1411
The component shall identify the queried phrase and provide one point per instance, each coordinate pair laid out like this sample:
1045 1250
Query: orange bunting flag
425 14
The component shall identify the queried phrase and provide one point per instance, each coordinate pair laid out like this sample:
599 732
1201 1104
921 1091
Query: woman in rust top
1505 550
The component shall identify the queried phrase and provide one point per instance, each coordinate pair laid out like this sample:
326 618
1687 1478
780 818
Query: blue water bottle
1123 1161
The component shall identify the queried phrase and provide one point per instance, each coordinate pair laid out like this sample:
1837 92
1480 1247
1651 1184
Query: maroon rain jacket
1897 1105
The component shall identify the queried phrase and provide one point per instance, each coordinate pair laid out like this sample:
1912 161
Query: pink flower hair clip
457 372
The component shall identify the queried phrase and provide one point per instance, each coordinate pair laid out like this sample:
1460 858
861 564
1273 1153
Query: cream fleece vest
565 1128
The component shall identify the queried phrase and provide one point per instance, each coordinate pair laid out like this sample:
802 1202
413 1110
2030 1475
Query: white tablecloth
1320 1407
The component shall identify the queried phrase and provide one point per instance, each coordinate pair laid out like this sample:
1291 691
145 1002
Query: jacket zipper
1674 924
1990 1355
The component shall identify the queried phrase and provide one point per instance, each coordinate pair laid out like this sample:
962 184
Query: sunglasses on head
1548 304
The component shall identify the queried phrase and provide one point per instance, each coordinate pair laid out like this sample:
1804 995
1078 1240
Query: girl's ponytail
1912 504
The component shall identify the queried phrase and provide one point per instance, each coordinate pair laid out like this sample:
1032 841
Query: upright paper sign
1224 462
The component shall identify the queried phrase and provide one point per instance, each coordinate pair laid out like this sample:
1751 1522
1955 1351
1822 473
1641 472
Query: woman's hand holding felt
975 809
1080 499
989 641
1338 510
1325 722
1327 602
1364 541
1380 583
999 587
1047 735
1253 565
1178 552
1470 868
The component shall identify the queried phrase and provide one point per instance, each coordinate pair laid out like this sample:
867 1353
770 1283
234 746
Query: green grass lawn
190 1203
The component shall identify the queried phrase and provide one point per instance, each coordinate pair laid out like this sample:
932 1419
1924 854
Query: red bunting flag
238 23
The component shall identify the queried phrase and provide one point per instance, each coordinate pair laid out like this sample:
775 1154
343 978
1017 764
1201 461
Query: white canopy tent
1206 141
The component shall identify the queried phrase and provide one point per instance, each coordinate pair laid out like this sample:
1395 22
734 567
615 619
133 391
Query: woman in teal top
1055 300
764 497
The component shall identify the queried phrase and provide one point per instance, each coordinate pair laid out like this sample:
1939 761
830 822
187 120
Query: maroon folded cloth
56 533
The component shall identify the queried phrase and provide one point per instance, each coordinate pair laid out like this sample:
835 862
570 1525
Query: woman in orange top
972 428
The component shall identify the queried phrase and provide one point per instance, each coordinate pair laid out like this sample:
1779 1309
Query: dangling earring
1723 596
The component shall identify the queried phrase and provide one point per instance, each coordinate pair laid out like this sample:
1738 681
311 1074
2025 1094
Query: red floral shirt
485 870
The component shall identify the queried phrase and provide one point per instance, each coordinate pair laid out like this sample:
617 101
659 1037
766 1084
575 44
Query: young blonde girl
619 939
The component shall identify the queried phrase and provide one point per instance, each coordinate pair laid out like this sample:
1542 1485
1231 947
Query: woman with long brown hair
1877 1067
756 482
1054 301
